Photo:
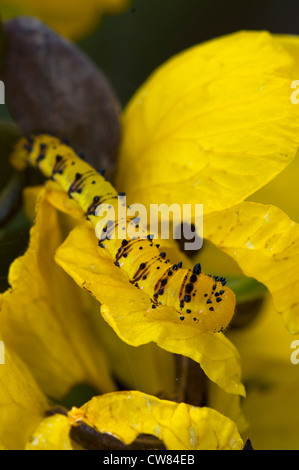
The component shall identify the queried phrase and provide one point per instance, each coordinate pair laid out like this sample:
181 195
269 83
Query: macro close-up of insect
195 296
149 237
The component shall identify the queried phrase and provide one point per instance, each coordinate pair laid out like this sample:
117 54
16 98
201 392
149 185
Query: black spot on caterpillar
197 298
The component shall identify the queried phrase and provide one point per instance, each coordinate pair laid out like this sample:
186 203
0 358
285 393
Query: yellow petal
126 362
282 190
230 406
291 44
215 261
129 311
272 381
265 244
21 401
176 289
179 426
274 417
212 125
261 361
71 18
59 199
44 316
31 196
51 434
125 415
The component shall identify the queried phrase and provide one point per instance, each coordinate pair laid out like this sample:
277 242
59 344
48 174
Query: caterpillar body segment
197 298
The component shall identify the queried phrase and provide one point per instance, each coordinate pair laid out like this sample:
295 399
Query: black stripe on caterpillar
197 298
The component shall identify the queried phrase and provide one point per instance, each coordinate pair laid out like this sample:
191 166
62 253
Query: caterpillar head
210 303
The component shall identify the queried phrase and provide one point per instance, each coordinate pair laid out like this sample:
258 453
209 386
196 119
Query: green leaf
246 288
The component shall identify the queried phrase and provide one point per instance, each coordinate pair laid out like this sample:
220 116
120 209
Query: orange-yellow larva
197 298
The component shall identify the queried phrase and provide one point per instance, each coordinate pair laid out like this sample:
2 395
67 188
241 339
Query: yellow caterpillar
196 297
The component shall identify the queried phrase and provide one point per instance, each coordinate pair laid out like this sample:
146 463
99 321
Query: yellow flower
130 312
212 126
55 326
22 403
42 314
71 18
125 415
271 380
56 329
219 117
